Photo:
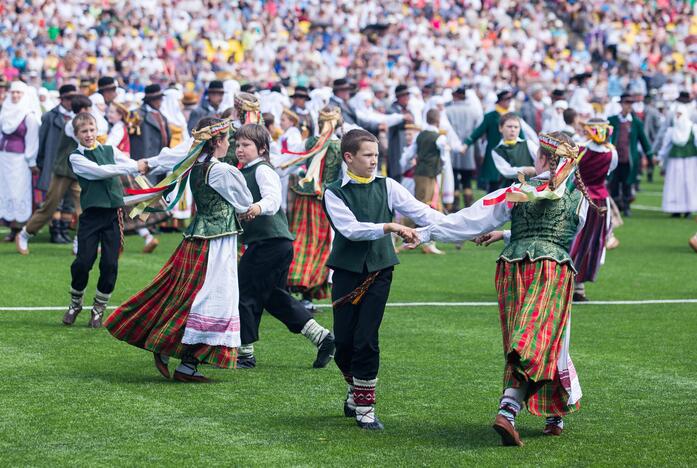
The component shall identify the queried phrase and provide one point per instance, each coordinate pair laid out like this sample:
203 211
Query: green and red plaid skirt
313 240
534 305
155 318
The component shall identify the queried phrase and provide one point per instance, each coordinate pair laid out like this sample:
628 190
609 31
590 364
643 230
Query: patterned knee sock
76 298
100 301
555 421
350 402
510 403
364 397
314 332
245 351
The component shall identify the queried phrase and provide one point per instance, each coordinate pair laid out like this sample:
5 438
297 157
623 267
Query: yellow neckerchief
510 142
359 179
501 110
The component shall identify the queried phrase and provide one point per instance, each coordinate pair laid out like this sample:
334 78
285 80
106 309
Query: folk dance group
204 307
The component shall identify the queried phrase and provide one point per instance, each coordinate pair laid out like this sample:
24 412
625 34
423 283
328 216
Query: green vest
517 155
543 229
215 216
330 172
273 226
688 150
66 147
368 202
428 162
104 193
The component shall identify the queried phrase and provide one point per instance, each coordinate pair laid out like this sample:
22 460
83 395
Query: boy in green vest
263 268
98 168
513 154
360 207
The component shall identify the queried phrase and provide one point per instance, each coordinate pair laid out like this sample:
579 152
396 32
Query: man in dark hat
370 121
627 134
248 88
55 177
464 119
106 86
397 139
489 176
154 129
209 106
299 105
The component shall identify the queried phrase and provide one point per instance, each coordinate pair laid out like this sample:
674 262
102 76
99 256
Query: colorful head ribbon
524 191
329 118
598 130
248 108
178 179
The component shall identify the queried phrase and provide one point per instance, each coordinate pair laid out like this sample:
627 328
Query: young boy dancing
98 168
360 208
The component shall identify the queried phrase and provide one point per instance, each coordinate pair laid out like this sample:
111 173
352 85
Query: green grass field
78 397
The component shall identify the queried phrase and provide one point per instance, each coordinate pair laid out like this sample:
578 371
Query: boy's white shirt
504 167
269 186
441 142
90 170
398 199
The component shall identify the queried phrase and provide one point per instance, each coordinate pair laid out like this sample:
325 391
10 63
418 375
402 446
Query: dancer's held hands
490 238
143 167
407 234
252 212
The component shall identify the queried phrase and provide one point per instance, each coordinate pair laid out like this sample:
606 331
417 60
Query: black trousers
620 189
356 326
262 276
97 226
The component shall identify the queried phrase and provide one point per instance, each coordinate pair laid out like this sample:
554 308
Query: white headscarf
172 109
12 115
98 102
682 125
319 98
231 87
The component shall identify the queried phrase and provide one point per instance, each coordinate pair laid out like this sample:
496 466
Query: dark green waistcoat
517 155
105 193
368 202
331 170
66 147
688 150
428 162
263 227
215 216
543 229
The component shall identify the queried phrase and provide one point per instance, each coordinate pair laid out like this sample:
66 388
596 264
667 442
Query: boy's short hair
569 116
508 116
81 119
80 102
433 117
352 141
258 135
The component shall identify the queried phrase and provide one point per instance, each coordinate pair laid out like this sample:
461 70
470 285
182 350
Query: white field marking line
424 304
645 208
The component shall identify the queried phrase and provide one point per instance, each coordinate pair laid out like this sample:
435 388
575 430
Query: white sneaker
75 246
22 242
432 249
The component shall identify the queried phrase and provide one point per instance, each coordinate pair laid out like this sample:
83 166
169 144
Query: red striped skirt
155 318
588 247
313 239
534 305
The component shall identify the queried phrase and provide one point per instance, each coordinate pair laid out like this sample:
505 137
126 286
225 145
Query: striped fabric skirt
155 318
313 241
534 306
588 249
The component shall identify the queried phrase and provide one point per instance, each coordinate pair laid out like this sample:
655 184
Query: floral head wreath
291 115
248 108
598 130
211 131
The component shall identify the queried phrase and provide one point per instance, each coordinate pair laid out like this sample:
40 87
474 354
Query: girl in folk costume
308 273
291 140
264 265
122 124
20 118
246 110
190 310
513 154
599 159
678 156
534 280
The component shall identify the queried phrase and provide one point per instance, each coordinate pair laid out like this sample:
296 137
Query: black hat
684 97
248 88
105 83
215 86
275 88
461 90
342 84
84 82
300 92
504 96
431 85
67 90
401 90
153 91
558 94
626 97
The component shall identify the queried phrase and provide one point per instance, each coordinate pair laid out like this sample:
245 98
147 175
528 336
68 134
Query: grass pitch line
419 304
